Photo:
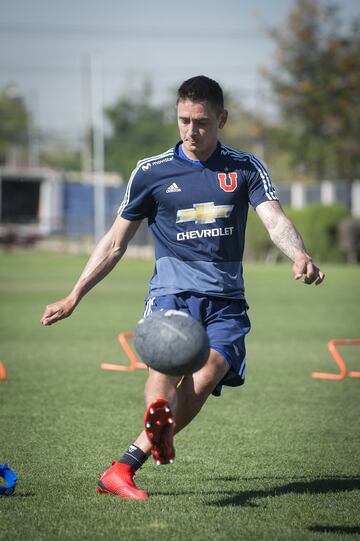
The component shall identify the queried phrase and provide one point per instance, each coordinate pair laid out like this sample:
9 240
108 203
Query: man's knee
206 379
202 382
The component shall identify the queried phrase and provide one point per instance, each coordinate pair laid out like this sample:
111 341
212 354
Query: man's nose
192 128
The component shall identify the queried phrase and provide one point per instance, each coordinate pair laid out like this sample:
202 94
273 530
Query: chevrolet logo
203 213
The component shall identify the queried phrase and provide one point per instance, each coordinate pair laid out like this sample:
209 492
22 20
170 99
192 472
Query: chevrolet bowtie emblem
203 213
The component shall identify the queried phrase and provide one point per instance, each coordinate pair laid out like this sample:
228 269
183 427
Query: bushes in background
318 225
349 238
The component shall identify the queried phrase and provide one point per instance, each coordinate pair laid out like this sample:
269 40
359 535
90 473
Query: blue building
41 202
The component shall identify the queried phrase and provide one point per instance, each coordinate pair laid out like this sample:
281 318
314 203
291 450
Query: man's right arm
103 259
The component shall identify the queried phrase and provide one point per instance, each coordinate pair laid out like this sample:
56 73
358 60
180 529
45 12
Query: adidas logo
132 448
173 188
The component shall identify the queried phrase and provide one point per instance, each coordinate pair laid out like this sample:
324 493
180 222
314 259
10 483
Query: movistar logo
203 213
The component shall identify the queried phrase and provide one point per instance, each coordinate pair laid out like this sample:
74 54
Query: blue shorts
225 321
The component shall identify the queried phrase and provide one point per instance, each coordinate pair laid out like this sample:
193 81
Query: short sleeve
138 202
260 188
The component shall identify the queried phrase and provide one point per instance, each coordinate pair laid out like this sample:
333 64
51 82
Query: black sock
134 457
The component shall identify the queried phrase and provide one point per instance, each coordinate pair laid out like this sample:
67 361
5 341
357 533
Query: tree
14 121
317 85
244 129
61 157
139 129
253 132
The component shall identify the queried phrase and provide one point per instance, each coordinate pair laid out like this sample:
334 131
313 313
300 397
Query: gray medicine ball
172 342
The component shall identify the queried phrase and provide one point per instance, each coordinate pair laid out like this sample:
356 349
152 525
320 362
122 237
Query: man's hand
303 266
58 310
285 236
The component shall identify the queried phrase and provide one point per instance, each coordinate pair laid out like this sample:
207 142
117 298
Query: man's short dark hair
202 88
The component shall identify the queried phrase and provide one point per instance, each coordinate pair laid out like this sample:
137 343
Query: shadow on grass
316 486
22 495
351 530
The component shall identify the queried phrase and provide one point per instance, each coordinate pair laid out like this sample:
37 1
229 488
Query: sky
45 47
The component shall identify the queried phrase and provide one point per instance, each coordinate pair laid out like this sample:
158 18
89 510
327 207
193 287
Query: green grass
275 460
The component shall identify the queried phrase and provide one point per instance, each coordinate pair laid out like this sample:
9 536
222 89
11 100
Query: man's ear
223 119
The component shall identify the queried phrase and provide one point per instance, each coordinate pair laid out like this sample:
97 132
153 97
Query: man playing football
195 197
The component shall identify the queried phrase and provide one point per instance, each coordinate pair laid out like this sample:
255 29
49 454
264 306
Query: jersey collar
208 162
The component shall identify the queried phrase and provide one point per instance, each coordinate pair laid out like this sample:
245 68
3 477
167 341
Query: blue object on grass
10 478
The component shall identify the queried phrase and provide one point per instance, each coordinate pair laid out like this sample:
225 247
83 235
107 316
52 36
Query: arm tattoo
282 231
286 237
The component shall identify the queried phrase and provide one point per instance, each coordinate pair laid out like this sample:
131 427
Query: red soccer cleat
159 428
118 480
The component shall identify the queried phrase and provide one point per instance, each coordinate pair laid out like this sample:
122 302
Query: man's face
199 124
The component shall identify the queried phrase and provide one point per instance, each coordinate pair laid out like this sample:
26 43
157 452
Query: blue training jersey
197 215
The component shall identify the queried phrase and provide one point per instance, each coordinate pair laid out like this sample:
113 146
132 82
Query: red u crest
228 184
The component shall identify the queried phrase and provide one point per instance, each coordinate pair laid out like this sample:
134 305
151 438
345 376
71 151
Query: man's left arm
285 236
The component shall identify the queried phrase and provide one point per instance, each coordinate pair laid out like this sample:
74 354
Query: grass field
278 459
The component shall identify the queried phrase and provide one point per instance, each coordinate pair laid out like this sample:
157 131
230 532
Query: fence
48 204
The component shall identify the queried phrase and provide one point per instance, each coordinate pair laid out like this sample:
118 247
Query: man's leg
186 396
160 399
158 385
